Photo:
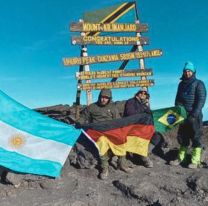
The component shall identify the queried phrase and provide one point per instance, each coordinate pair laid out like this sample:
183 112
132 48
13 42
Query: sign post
89 36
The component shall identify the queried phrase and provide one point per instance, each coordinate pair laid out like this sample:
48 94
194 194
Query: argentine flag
31 142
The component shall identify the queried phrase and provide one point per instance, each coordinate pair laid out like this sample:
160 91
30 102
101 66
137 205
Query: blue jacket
192 95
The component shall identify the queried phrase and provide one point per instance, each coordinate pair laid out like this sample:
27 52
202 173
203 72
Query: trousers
191 131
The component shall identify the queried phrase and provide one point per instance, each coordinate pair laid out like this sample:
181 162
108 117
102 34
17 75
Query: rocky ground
79 185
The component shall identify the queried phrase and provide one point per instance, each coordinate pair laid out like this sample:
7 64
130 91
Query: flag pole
139 46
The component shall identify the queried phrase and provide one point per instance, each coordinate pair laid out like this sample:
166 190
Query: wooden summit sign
116 85
109 40
108 27
113 74
111 58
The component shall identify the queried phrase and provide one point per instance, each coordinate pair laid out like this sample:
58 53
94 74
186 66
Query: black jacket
134 106
191 94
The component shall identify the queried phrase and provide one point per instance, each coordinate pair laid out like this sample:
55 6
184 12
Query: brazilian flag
167 118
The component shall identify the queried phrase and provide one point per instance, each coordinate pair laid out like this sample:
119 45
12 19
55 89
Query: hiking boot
126 169
195 158
104 166
182 153
114 162
176 162
193 166
104 174
147 162
122 165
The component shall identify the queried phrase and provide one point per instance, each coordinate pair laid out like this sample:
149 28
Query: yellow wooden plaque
109 40
108 27
113 74
117 84
111 57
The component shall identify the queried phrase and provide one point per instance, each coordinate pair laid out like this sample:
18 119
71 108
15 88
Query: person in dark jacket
139 104
104 110
191 94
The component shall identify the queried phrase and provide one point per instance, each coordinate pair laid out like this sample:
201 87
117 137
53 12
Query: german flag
129 134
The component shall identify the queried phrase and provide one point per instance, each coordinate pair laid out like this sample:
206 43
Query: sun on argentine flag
31 142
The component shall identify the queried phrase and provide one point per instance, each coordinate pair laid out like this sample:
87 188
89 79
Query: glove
77 125
194 114
148 111
191 119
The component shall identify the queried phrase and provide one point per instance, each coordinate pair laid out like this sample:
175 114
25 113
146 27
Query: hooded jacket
97 112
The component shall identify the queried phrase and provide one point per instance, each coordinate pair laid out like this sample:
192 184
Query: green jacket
97 113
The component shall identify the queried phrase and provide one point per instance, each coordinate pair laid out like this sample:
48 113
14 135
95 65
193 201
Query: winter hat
143 90
189 66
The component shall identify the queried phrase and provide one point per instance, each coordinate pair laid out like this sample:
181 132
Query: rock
49 184
84 154
15 179
128 191
78 203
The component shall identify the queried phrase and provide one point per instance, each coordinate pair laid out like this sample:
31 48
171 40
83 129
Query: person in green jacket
103 110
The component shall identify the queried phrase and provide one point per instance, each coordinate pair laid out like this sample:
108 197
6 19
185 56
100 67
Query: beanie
143 90
189 66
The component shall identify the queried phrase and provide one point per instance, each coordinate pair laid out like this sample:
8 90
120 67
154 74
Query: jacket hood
106 93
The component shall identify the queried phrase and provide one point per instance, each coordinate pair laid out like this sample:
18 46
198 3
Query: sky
35 37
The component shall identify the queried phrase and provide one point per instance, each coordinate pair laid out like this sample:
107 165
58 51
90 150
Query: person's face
188 73
104 100
142 95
